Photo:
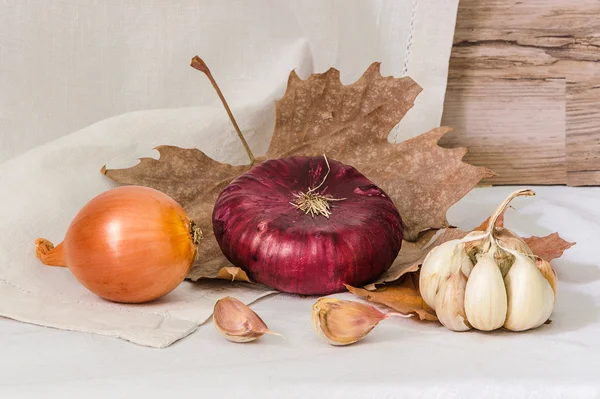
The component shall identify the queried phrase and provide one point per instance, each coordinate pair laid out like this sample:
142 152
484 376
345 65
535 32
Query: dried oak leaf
351 124
549 247
403 296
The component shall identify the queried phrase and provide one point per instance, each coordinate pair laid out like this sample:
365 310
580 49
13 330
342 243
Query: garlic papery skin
439 264
341 322
530 295
504 237
450 302
548 272
508 240
485 295
237 322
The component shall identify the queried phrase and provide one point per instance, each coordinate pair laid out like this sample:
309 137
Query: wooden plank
516 128
583 133
515 42
529 22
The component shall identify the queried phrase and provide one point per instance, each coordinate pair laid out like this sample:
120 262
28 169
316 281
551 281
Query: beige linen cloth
65 65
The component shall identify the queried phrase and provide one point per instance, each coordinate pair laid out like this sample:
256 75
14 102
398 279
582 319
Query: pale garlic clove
485 295
530 295
450 303
548 272
341 322
439 264
237 322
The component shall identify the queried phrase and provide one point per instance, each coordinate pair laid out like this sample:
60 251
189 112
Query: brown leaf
403 296
348 123
422 179
548 247
234 274
194 180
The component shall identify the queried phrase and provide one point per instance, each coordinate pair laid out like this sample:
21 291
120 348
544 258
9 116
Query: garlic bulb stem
504 204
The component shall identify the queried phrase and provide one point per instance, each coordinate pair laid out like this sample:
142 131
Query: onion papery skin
278 245
130 244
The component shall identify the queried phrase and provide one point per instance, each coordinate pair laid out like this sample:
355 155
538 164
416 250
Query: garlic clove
237 322
449 303
530 295
439 264
485 295
341 322
548 272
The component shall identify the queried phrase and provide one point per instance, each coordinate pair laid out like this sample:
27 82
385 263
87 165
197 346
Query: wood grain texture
535 107
583 133
508 57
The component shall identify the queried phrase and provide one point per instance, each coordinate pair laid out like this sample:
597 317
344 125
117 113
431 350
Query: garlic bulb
488 280
341 322
530 296
237 322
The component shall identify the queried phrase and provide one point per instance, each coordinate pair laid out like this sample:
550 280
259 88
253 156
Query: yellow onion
130 244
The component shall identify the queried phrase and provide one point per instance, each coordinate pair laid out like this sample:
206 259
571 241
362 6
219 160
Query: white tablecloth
401 358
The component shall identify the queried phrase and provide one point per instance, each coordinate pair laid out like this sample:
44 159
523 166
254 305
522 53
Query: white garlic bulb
488 280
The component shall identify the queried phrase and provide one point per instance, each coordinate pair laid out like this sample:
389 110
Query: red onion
259 227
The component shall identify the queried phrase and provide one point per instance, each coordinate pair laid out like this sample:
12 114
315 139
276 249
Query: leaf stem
199 64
